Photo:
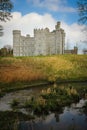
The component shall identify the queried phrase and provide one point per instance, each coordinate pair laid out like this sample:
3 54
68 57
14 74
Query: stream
71 118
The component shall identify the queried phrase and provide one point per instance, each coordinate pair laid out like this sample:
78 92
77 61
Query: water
21 95
71 118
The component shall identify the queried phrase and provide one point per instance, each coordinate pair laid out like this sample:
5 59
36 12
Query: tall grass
51 68
19 70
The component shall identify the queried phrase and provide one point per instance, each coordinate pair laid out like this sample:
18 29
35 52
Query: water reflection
21 95
69 119
73 117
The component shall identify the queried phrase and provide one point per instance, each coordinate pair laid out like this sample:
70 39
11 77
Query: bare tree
5 12
82 10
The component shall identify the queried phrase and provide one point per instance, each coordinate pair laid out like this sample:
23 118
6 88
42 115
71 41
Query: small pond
21 95
70 118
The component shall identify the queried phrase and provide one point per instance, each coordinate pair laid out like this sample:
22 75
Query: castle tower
63 42
44 42
40 36
16 42
59 39
57 27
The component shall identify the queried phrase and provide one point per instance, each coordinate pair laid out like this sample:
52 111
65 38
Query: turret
16 42
16 37
59 39
57 27
75 49
16 32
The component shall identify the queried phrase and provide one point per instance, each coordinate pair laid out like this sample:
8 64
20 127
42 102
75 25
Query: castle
44 42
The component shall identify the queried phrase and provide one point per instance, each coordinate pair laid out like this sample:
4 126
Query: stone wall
44 42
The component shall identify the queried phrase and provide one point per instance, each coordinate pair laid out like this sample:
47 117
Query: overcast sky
30 14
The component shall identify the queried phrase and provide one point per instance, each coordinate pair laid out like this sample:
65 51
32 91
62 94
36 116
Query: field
43 68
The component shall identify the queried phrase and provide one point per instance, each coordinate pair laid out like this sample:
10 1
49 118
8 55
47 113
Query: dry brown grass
51 68
19 74
17 70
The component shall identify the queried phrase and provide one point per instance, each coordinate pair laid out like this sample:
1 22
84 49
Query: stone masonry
44 42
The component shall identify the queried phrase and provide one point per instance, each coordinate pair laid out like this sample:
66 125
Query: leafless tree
82 10
5 12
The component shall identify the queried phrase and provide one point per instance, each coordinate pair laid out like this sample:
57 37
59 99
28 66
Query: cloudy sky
30 14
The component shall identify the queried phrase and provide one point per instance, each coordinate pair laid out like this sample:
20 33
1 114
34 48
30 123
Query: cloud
28 22
53 5
75 36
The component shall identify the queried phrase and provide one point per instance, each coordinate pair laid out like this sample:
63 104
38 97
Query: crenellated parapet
57 26
44 42
16 32
38 31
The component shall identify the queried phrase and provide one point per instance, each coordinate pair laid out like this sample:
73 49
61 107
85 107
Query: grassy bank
19 71
50 68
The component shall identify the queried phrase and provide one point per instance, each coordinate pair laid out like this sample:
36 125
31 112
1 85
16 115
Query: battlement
58 25
36 31
16 32
27 35
44 42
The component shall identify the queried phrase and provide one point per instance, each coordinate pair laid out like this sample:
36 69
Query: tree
3 52
5 12
8 47
5 9
6 51
82 10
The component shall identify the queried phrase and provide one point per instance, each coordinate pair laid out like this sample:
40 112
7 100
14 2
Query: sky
30 14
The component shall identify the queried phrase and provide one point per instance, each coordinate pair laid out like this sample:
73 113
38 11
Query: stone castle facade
44 42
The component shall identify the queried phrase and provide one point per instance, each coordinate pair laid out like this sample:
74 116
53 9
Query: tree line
7 50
